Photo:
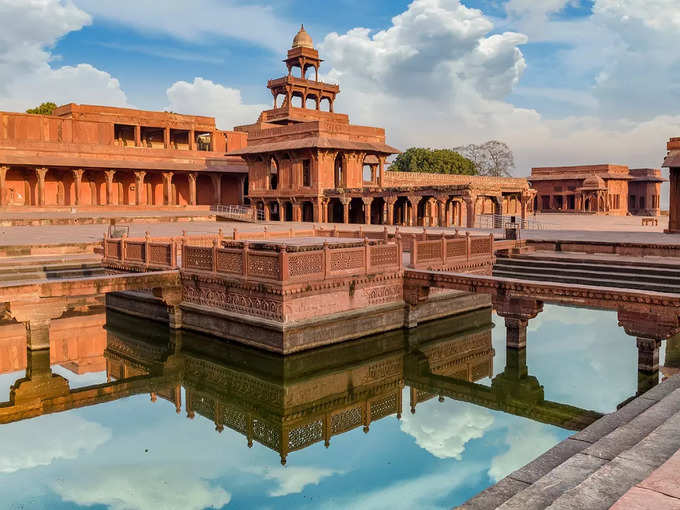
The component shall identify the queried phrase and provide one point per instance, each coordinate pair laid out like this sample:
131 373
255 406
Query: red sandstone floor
660 491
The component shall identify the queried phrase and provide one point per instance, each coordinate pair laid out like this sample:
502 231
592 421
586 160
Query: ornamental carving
218 297
197 257
134 251
304 435
429 250
346 420
480 246
384 406
160 254
383 369
456 248
345 260
384 294
263 265
384 255
229 262
300 264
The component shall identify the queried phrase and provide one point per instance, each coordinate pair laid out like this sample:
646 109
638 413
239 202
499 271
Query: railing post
468 245
283 260
173 252
385 236
123 242
220 236
214 254
326 252
443 245
105 246
266 232
147 257
367 255
235 234
491 245
400 254
414 253
245 259
184 251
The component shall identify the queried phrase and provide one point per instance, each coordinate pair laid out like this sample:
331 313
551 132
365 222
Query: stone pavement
661 490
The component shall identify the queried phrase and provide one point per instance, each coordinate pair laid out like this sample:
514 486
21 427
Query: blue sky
561 81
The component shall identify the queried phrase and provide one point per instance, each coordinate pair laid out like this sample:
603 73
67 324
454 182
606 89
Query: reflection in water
286 404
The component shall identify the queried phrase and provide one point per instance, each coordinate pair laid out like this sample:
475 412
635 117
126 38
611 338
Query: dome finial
302 39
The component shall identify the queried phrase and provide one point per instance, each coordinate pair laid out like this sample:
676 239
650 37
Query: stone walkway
661 490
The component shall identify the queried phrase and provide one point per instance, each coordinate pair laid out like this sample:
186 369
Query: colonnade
393 209
43 186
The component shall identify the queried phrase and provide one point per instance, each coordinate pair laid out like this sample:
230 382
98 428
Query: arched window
273 173
339 171
296 100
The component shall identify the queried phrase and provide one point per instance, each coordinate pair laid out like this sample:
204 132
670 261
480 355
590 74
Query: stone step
41 260
602 273
52 274
637 430
600 282
547 273
538 263
623 262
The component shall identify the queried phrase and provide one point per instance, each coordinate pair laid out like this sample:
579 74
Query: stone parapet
400 179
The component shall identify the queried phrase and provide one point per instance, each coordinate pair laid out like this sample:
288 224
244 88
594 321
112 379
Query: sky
561 81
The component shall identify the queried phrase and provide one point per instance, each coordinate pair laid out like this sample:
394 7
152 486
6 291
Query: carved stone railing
447 252
284 263
139 254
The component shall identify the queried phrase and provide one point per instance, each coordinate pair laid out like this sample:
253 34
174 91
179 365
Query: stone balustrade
451 252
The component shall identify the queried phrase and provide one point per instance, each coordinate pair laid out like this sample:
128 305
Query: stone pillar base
648 354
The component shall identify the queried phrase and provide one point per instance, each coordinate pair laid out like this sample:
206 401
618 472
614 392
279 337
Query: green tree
440 161
44 109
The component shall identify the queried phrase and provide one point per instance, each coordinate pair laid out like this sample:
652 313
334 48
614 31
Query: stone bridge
650 316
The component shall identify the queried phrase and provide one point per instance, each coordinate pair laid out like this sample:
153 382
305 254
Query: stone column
36 315
217 186
674 197
441 213
138 136
470 210
282 212
390 210
517 312
77 180
345 209
297 211
40 173
139 187
166 138
367 209
172 297
167 188
672 359
3 191
648 354
316 205
108 174
412 215
192 188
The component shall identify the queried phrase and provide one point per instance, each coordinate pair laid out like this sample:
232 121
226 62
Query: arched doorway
423 211
122 186
377 211
339 171
307 212
335 211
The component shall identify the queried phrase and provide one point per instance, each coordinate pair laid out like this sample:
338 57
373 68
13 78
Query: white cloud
141 488
443 429
199 19
526 440
203 97
293 479
41 441
26 76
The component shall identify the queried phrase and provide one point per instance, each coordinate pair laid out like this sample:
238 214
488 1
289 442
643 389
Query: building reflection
284 403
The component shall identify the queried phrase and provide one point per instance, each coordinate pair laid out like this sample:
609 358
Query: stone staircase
641 275
36 268
596 466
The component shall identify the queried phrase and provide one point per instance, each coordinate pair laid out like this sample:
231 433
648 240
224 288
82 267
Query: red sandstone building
597 189
308 163
102 156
